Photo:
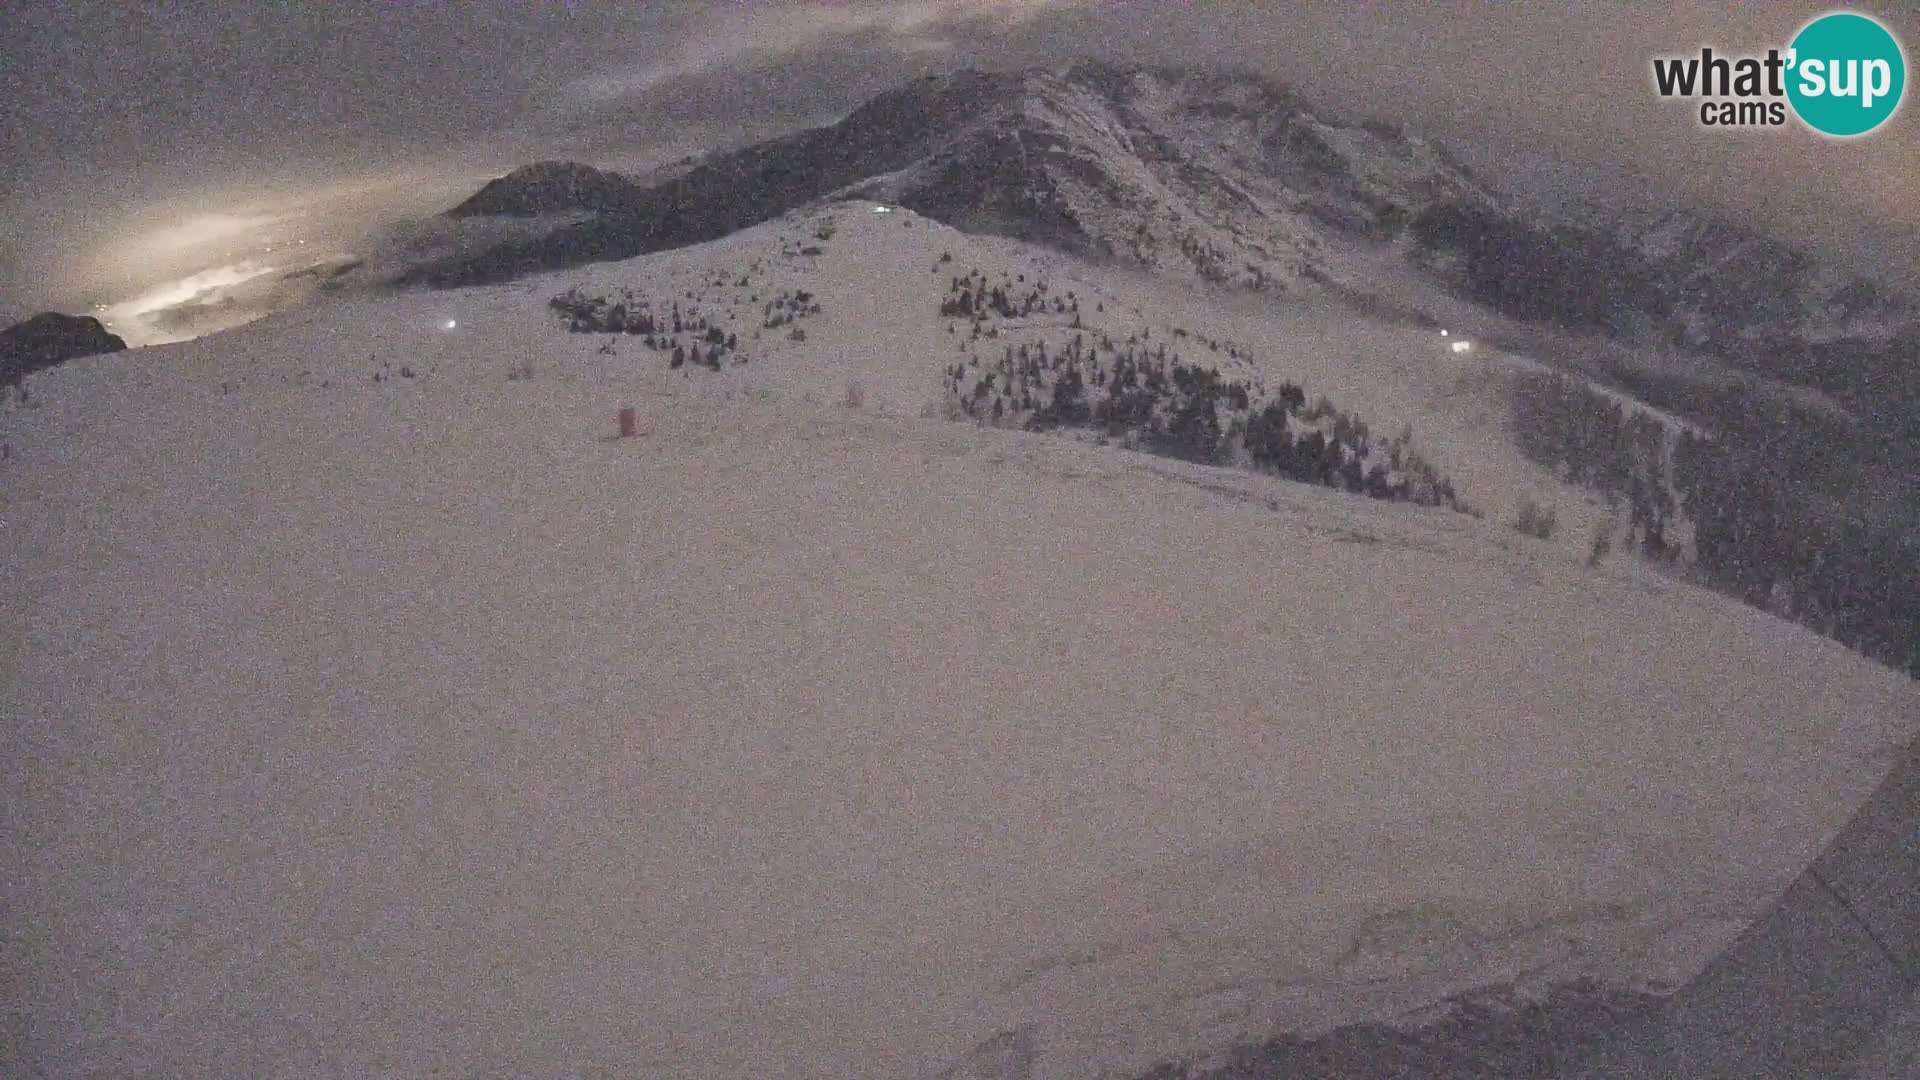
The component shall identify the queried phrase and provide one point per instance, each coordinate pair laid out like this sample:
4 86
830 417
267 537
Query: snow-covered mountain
376 709
1729 282
1678 281
1232 179
1735 293
1222 177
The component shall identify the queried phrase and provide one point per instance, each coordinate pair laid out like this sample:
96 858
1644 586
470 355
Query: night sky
148 141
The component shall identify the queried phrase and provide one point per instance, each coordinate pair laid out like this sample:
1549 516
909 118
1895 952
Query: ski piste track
1827 984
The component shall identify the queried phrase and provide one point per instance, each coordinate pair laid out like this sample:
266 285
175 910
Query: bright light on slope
1462 346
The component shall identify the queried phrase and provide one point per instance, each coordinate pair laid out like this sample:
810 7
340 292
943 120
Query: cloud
731 34
202 230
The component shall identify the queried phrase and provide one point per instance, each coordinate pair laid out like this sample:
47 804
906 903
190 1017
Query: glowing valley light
193 287
139 316
450 324
1462 346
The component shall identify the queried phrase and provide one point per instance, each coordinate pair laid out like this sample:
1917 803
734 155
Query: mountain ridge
1091 157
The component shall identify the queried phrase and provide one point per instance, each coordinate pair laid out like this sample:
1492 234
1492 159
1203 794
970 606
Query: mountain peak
548 187
1223 175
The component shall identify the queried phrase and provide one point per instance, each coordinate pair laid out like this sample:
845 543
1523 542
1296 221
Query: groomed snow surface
419 728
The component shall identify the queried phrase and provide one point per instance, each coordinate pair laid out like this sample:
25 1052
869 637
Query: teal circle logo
1846 75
